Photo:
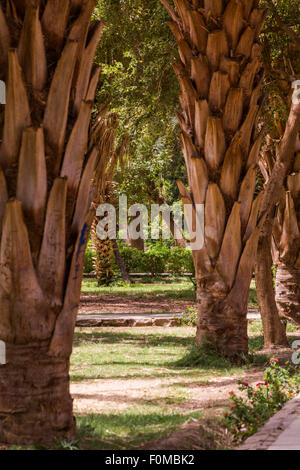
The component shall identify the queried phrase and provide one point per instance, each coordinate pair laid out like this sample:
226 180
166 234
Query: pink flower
259 384
266 384
245 384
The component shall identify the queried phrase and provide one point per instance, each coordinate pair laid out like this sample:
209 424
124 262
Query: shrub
156 259
190 318
179 261
133 259
248 414
88 260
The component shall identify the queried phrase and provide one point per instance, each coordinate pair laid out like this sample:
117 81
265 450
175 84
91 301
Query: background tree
137 76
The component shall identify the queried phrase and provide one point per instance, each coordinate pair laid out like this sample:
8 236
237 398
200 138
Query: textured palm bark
287 247
274 328
221 325
138 244
220 76
103 259
34 396
47 173
288 291
120 262
286 224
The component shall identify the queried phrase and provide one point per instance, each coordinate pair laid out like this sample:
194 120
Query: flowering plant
248 414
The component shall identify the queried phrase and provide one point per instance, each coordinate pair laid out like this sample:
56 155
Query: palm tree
282 69
286 239
47 51
220 76
104 136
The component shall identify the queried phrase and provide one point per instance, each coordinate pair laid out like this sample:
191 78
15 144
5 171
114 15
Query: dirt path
101 395
104 396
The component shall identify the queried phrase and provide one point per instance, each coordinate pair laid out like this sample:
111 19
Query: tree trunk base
220 326
288 292
35 402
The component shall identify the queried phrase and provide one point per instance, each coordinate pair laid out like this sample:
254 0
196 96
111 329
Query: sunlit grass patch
181 289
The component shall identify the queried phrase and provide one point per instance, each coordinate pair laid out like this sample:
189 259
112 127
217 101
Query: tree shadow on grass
171 372
203 358
115 337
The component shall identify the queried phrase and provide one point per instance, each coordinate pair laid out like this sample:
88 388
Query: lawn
178 288
173 288
135 385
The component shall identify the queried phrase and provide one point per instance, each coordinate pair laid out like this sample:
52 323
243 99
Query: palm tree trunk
35 399
287 241
220 76
288 291
221 325
138 244
46 173
286 225
175 230
120 262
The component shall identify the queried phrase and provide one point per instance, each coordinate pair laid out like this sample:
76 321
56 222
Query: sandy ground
104 394
125 305
211 398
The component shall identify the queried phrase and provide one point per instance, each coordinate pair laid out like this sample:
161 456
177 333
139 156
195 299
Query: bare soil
126 305
211 398
100 395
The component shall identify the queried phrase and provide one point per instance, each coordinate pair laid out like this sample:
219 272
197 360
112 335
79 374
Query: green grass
144 354
125 431
136 353
176 288
180 288
256 336
253 302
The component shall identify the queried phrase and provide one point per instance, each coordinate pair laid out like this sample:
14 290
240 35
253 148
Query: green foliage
136 53
204 357
65 445
180 261
158 259
248 414
155 260
133 259
281 59
88 259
